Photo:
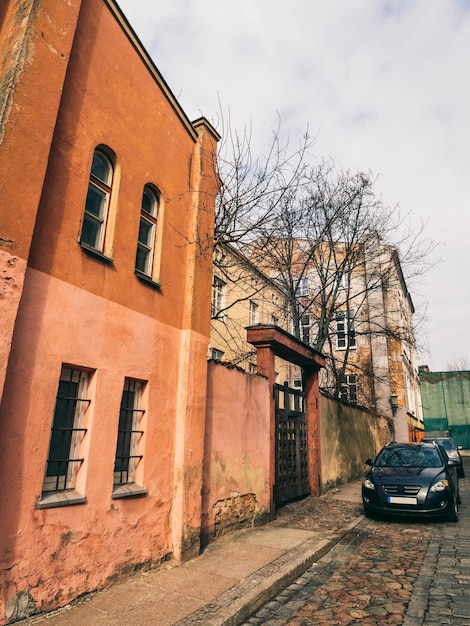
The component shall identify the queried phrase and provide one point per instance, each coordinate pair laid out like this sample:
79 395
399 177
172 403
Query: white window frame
343 282
349 388
218 298
146 242
304 323
253 313
302 287
345 331
216 354
101 186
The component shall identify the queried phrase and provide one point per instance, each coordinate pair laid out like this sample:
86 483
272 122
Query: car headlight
440 485
453 454
368 484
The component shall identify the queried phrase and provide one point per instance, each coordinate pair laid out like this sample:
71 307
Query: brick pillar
312 390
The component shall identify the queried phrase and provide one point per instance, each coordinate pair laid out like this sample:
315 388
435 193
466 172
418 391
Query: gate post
265 365
271 341
312 389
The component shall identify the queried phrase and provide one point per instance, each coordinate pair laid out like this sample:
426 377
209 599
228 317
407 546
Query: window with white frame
348 388
97 201
345 331
147 230
218 296
302 287
129 433
64 457
217 355
305 328
254 313
343 282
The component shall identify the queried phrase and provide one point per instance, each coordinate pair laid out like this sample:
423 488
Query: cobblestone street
384 572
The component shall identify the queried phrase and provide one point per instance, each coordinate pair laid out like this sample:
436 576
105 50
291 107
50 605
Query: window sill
95 253
146 279
60 498
128 491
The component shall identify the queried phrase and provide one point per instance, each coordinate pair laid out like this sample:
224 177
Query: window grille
129 434
67 432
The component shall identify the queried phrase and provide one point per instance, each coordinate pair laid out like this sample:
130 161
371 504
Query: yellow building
242 296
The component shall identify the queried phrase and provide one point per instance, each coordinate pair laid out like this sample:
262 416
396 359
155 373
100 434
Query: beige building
242 296
370 347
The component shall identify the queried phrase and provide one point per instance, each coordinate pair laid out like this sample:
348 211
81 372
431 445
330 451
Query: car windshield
409 457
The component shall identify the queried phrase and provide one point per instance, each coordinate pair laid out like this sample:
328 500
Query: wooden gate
292 470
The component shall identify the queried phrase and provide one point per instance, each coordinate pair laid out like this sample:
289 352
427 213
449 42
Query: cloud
383 83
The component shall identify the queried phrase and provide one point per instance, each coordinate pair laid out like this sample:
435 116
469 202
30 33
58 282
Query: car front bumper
440 504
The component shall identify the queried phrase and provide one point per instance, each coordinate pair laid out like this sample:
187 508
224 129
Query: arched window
147 230
97 201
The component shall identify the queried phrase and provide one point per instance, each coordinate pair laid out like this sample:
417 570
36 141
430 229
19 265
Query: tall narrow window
147 230
345 331
97 202
305 328
129 433
218 293
67 432
302 287
254 313
348 388
343 281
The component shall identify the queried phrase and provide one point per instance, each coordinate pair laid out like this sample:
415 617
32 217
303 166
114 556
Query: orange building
105 307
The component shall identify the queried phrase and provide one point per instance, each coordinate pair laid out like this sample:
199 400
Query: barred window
129 433
64 458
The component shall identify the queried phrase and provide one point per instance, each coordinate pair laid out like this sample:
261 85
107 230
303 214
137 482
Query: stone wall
349 435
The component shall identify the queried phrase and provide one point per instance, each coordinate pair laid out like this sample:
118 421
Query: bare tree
459 364
326 240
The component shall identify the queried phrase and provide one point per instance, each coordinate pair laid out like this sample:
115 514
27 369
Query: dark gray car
452 451
412 479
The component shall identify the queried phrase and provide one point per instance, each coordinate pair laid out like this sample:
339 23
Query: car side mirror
452 463
369 462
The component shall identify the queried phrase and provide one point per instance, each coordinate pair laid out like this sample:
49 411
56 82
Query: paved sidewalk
233 577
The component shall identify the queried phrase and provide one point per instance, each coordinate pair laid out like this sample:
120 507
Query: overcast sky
385 86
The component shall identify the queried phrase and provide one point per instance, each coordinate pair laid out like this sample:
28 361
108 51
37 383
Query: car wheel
461 473
459 499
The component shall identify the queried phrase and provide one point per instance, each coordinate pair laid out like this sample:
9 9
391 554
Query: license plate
402 500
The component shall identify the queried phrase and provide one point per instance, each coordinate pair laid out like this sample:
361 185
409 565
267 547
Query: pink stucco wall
55 554
237 444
